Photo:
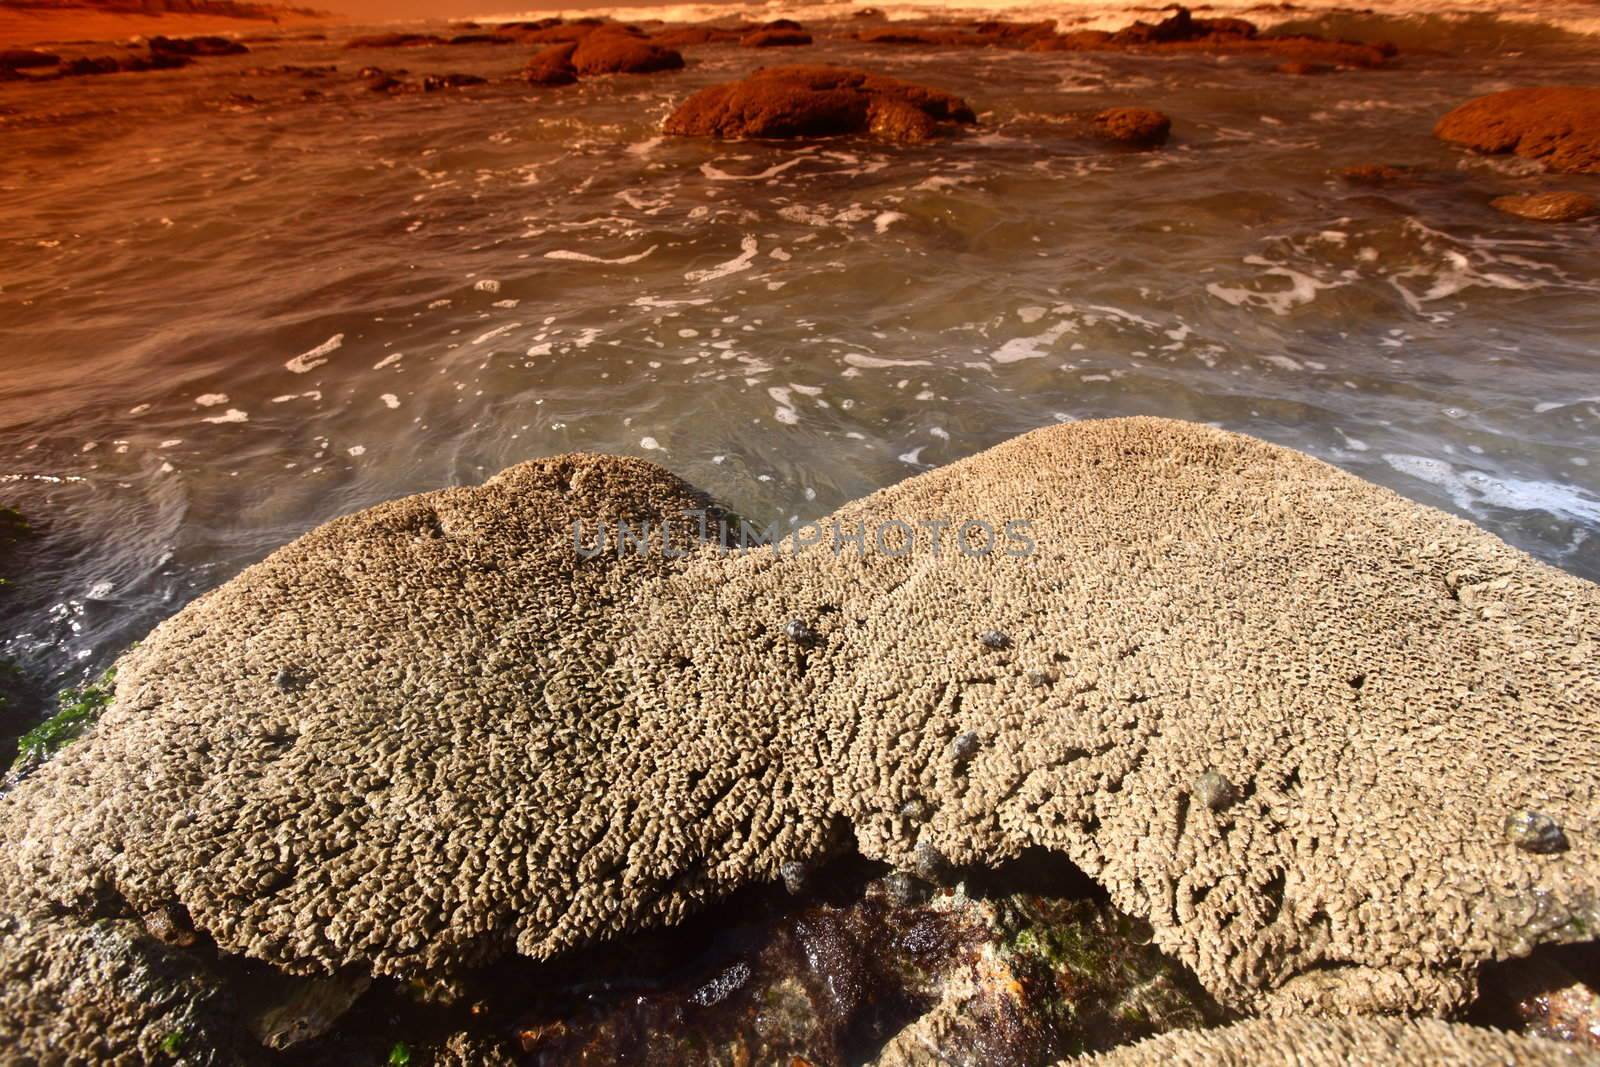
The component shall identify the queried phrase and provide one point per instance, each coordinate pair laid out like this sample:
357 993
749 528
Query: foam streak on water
226 320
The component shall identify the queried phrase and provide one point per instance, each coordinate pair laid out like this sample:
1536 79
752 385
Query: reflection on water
227 318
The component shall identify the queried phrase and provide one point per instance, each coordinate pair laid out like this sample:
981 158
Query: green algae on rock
78 708
496 745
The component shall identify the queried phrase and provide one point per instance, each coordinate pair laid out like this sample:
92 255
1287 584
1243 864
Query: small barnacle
930 863
795 875
916 809
962 747
994 639
1534 831
1214 790
801 634
905 890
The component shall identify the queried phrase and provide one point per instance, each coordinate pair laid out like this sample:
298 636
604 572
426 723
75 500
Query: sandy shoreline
32 26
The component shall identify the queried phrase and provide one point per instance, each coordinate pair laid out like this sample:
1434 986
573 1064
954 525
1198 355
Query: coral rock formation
1338 1042
807 101
1559 126
492 742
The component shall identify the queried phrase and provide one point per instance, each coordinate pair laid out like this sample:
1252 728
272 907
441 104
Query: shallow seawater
226 319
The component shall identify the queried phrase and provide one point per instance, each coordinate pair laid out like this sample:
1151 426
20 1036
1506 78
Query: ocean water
236 305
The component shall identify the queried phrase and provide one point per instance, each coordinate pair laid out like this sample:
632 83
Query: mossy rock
79 708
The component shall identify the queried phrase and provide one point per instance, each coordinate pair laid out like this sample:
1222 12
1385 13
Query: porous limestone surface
432 733
1378 1042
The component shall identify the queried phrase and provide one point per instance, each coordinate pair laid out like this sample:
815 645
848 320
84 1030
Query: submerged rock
779 38
1378 174
807 101
395 40
435 82
23 58
1137 127
688 36
502 747
1559 126
197 46
1548 207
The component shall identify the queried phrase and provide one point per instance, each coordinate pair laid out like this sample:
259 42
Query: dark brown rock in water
621 53
1558 125
553 66
1548 207
1181 26
197 46
394 40
1301 68
435 82
775 39
817 101
481 38
1137 127
1077 41
21 58
1182 32
909 36
85 65
688 36
1377 174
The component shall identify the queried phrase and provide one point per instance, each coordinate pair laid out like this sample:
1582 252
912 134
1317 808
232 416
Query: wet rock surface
551 67
807 101
1559 126
1339 1042
1136 127
24 58
620 53
1549 207
198 46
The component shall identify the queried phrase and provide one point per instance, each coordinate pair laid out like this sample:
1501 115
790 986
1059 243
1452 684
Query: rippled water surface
226 318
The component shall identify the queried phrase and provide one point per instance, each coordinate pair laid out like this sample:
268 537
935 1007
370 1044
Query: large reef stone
431 733
1303 1042
1557 125
817 101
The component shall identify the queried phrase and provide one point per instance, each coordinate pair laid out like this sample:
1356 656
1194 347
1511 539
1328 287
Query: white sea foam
584 257
316 357
498 331
1576 16
717 174
1471 490
857 359
1035 347
749 246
